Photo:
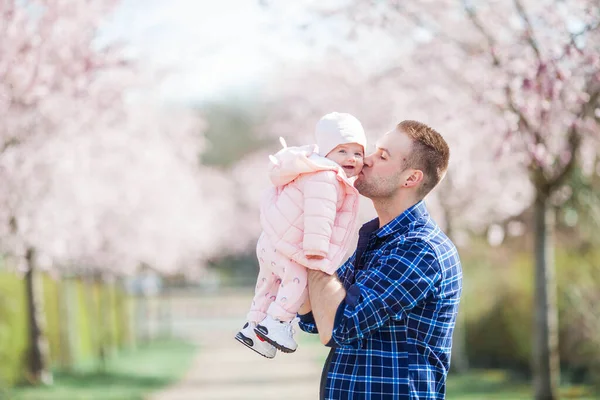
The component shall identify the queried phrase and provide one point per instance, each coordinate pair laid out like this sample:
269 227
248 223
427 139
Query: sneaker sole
272 342
246 342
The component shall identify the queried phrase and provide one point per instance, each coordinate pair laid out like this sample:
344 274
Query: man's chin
359 184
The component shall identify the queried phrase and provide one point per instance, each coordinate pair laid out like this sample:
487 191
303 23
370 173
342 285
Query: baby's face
349 156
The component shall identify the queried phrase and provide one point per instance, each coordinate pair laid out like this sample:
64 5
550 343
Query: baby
308 219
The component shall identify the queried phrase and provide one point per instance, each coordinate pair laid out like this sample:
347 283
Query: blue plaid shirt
393 333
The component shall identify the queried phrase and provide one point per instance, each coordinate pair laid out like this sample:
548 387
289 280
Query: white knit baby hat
338 128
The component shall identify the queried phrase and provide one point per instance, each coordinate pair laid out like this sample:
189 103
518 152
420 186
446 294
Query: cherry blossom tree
51 81
95 180
550 77
130 197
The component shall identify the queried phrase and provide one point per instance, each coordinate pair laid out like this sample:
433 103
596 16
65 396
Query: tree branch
417 20
9 143
574 138
529 30
574 36
472 14
523 120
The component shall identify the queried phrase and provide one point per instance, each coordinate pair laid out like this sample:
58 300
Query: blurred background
134 141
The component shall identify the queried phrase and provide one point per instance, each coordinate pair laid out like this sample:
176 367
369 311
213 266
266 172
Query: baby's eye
358 154
342 151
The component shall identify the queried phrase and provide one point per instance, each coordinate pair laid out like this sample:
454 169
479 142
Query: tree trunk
66 316
124 316
546 366
143 316
106 306
101 319
459 360
38 350
91 305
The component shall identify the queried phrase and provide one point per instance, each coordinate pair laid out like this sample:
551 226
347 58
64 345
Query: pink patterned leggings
281 287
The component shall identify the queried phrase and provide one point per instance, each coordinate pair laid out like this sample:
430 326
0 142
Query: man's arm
307 321
305 308
392 287
326 293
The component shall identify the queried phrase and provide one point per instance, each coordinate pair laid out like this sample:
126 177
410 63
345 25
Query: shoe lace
290 327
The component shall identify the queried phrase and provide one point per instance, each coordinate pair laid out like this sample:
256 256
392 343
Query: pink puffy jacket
312 208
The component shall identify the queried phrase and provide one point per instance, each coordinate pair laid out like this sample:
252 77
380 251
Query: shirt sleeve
343 271
390 289
307 323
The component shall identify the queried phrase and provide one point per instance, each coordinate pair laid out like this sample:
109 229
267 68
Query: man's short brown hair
430 153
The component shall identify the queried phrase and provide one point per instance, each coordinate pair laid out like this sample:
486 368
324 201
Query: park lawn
130 375
498 385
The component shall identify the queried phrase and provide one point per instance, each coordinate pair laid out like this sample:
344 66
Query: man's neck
390 208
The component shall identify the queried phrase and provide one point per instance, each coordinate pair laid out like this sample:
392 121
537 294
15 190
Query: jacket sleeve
399 282
320 201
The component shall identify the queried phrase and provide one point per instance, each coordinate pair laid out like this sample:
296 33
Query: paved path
225 369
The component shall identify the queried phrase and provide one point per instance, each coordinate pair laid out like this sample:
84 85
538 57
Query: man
390 312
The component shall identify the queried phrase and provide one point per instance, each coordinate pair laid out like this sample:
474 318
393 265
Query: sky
211 48
219 48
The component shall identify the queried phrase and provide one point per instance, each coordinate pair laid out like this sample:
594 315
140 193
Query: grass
130 375
496 385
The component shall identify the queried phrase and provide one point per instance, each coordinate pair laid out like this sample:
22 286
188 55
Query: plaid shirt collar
398 225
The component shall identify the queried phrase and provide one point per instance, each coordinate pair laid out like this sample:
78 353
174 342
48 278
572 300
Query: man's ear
414 179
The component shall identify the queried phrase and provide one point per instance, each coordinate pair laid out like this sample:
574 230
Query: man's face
384 170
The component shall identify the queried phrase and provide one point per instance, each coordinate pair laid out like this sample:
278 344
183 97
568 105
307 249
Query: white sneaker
279 334
248 338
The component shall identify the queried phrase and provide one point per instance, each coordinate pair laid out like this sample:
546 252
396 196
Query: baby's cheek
359 165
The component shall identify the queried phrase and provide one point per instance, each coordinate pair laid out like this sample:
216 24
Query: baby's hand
315 257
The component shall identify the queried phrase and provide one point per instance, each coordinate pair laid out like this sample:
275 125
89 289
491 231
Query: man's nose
368 161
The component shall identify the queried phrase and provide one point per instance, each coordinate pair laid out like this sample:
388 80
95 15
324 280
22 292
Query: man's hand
325 293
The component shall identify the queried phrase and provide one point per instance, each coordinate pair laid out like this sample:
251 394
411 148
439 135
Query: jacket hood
291 162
